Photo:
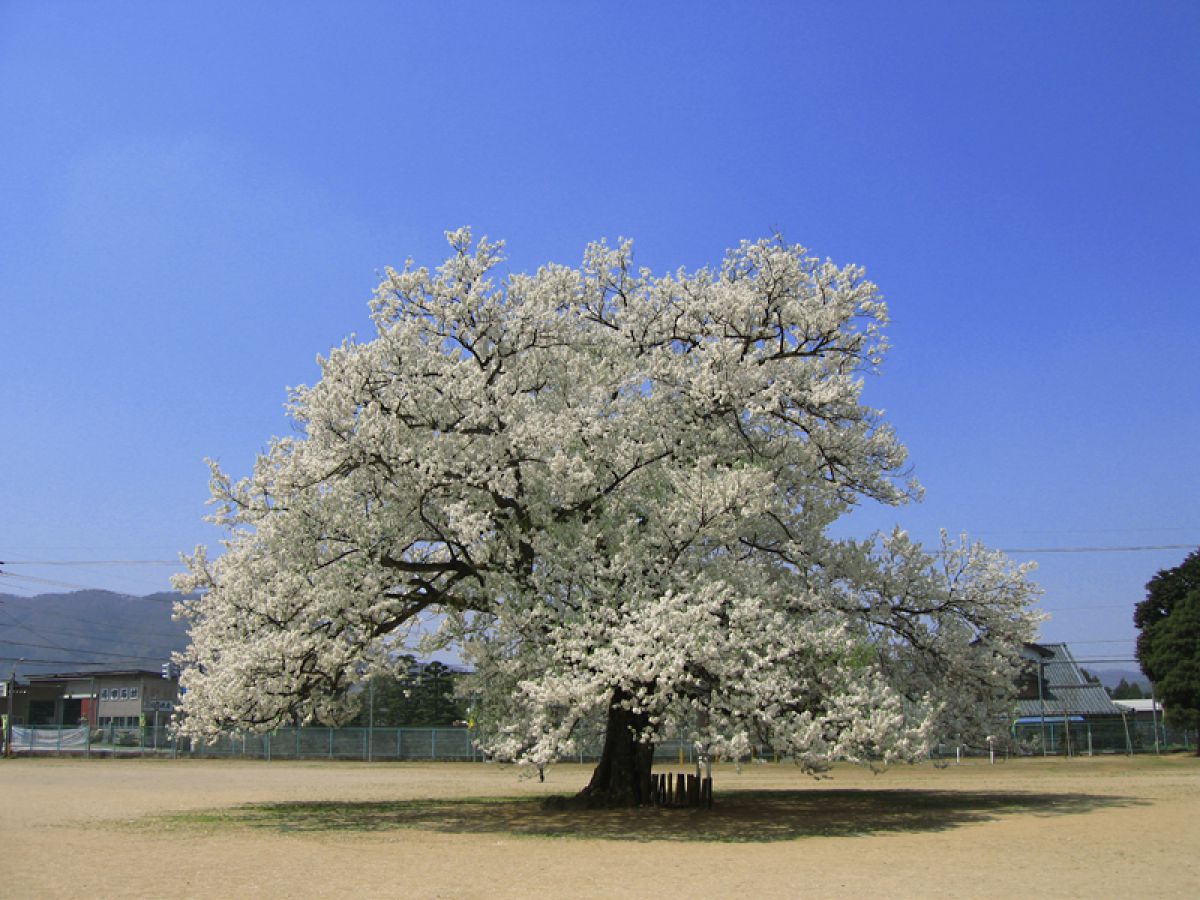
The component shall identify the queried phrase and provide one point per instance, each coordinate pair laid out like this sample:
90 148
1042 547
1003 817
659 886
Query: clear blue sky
195 199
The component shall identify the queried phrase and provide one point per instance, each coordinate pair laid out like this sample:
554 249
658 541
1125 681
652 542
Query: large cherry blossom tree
612 492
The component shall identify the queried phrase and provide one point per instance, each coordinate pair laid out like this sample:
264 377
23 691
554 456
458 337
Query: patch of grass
738 817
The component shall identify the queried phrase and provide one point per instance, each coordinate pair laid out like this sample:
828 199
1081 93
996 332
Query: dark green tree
1168 645
1126 690
422 695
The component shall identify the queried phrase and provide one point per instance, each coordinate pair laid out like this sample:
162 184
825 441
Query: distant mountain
87 631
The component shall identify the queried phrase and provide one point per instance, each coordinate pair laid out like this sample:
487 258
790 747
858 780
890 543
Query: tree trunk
622 777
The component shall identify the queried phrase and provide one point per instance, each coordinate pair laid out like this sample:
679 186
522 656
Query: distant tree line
1125 690
421 695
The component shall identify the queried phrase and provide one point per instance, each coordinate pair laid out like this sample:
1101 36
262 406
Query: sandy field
1102 827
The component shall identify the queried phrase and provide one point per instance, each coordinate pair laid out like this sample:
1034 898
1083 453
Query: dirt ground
1102 827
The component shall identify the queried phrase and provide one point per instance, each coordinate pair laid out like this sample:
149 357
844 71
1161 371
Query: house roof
1065 690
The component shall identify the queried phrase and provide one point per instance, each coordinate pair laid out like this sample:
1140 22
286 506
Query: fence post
433 743
1154 716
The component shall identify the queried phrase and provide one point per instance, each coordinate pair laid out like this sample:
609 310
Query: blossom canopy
613 492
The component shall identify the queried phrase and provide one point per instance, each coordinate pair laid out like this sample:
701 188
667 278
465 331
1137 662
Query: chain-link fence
362 744
378 744
1052 737
1089 737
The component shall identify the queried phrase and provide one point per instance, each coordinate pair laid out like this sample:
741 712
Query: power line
20 587
62 584
1157 529
80 563
80 652
1054 610
1097 549
50 582
1105 659
71 617
90 562
105 630
42 660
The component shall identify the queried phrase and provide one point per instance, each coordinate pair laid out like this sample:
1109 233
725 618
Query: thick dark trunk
622 777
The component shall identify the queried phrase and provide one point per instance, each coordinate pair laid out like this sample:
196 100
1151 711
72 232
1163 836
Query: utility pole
8 718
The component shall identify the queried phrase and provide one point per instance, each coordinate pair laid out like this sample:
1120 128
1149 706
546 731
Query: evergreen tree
1168 646
1126 690
422 695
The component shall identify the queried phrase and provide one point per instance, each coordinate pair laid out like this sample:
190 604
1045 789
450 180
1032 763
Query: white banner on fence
49 738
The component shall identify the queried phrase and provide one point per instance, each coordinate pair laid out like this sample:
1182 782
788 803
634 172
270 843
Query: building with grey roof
1055 687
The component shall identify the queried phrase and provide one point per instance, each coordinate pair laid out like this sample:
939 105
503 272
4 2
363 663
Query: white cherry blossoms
605 487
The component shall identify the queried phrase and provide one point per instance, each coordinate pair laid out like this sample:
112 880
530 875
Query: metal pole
370 718
93 713
8 719
1042 701
1154 715
142 714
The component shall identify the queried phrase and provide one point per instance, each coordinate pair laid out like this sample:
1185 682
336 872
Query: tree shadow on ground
738 816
